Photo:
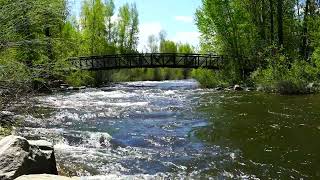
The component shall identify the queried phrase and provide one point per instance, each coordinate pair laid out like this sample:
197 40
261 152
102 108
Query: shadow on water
277 136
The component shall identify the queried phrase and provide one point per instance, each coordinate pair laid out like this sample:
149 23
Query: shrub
208 78
80 78
284 77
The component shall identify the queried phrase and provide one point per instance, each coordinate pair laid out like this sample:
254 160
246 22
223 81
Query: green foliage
286 78
94 30
270 42
167 46
80 78
13 74
208 78
128 28
5 131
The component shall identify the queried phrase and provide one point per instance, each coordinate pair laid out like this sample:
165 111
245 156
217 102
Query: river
174 129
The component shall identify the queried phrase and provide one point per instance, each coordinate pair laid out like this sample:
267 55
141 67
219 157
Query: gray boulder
19 157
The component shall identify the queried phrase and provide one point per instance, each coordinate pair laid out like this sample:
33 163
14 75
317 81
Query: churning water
173 129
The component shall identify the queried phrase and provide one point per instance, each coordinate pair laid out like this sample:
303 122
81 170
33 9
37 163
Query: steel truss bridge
148 60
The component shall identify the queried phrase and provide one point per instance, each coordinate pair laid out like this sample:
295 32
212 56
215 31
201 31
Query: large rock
19 157
45 177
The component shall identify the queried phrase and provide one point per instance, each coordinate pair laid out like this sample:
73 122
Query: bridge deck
152 60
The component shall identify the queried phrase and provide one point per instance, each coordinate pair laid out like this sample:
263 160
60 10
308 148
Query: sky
176 17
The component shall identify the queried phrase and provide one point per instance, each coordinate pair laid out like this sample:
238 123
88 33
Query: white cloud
186 19
187 37
145 30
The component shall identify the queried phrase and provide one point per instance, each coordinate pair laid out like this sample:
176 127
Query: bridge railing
148 60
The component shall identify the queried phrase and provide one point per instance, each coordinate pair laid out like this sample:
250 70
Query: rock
237 88
56 83
250 89
19 157
107 89
260 88
64 85
219 89
70 88
6 118
310 86
78 88
6 113
42 144
45 177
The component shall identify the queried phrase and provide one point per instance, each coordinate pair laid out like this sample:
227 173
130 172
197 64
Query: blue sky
176 17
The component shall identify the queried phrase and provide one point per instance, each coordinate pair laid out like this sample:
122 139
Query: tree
94 27
167 46
134 30
280 21
128 28
152 45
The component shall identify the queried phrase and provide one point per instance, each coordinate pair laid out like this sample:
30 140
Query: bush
80 78
13 74
208 78
284 77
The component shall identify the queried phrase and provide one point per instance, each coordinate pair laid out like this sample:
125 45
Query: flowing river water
174 129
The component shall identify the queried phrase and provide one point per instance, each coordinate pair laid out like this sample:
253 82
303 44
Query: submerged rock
19 157
45 177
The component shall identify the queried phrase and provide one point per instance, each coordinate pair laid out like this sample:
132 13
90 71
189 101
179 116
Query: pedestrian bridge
147 60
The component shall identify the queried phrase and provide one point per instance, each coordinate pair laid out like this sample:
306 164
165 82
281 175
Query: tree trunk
280 22
263 20
271 21
304 48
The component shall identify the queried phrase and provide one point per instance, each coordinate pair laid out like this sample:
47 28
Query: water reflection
174 130
277 136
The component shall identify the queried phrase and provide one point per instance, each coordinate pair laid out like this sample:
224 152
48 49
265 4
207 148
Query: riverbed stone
19 157
45 177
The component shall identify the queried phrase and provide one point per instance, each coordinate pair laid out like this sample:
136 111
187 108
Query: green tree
153 44
128 28
93 27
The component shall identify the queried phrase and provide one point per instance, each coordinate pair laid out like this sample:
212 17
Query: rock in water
237 88
45 177
19 157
